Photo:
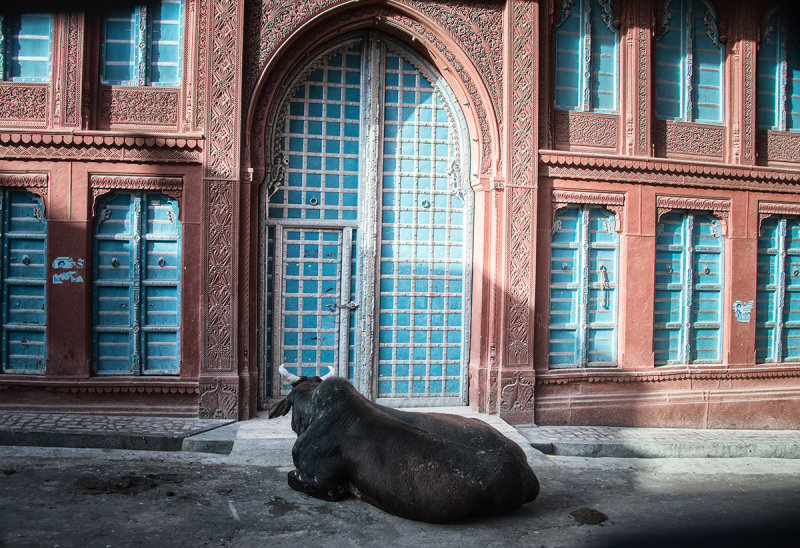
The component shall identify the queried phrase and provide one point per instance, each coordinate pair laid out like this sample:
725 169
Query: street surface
96 497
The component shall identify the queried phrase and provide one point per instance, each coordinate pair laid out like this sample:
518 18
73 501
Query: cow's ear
280 408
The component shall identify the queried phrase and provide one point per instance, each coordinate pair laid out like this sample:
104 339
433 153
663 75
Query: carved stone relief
768 209
148 105
778 146
103 184
615 203
686 138
585 128
24 102
719 208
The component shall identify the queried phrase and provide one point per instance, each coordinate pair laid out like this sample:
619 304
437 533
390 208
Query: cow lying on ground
425 466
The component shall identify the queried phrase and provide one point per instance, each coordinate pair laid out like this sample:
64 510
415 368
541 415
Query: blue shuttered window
778 74
689 287
136 285
778 297
689 62
586 56
23 232
584 263
143 45
25 47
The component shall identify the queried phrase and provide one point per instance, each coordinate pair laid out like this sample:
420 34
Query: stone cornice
108 146
558 164
104 385
704 372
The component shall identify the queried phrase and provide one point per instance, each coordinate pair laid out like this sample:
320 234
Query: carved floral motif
768 209
780 146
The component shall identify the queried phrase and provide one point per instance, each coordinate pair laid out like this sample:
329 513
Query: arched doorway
366 226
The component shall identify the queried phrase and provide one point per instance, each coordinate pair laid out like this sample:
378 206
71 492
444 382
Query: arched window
779 73
689 288
689 62
137 285
23 265
584 260
586 56
367 225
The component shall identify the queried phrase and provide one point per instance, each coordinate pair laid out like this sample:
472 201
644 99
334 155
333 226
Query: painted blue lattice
778 74
136 285
421 285
23 233
583 289
317 167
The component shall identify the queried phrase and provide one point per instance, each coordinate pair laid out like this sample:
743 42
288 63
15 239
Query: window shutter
770 288
121 47
165 41
23 232
669 49
604 60
564 346
670 290
769 79
707 59
707 290
28 47
601 315
569 64
161 310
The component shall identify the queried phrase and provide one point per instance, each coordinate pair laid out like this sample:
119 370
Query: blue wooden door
136 285
689 278
778 297
23 234
583 289
372 168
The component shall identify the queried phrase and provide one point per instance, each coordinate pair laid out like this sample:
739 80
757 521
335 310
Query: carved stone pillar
517 377
637 78
220 390
741 148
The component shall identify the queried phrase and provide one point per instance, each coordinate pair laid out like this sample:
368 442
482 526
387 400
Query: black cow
431 467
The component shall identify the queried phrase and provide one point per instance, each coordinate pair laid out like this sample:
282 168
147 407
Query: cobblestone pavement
80 423
607 441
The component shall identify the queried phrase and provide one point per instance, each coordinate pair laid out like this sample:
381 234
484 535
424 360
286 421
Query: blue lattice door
367 246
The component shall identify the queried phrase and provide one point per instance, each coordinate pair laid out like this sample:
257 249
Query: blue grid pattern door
23 232
583 288
367 215
136 285
689 288
778 297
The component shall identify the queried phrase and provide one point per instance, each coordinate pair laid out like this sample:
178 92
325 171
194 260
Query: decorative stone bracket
103 184
768 209
615 203
719 208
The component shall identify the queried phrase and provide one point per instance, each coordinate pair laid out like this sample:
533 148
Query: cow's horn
287 376
331 373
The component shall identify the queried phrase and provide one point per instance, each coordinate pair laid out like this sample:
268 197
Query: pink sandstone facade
72 141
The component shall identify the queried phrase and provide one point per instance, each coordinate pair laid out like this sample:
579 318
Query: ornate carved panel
778 146
612 202
718 208
69 93
517 393
219 399
585 128
25 103
219 279
145 105
642 34
684 138
102 184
